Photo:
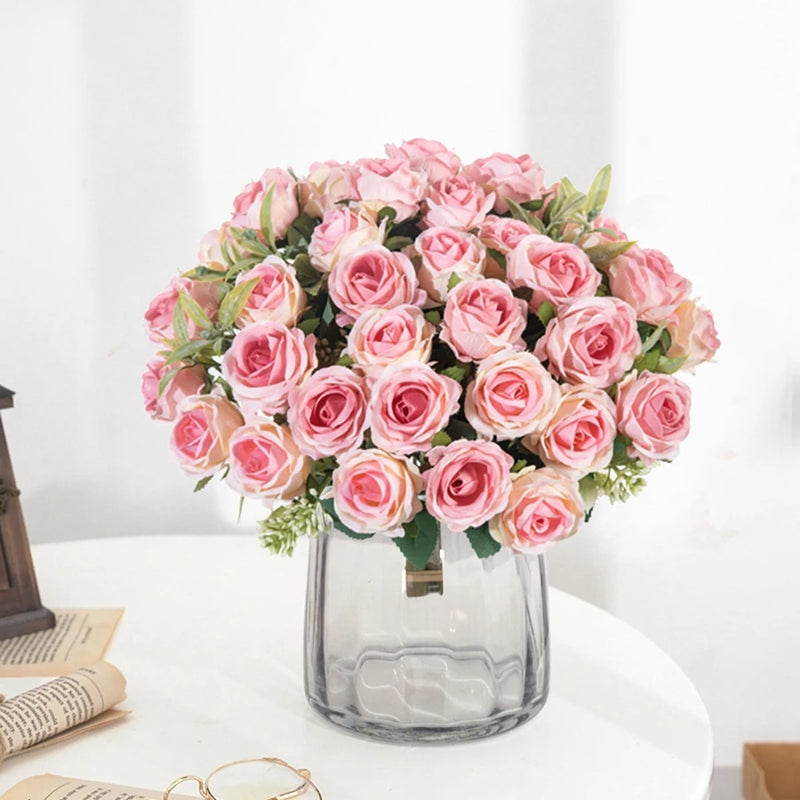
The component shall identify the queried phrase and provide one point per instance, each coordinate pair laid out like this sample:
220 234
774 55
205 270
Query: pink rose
428 155
503 233
202 432
266 462
544 506
580 434
391 182
592 340
211 254
375 492
468 484
373 277
512 395
341 232
520 179
327 414
692 333
653 412
604 229
444 252
187 381
277 296
410 404
160 312
265 362
646 280
385 336
555 271
284 210
456 202
481 318
325 186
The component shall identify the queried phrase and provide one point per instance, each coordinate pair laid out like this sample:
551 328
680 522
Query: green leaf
650 342
601 255
482 541
519 465
309 325
647 361
248 239
265 218
598 192
388 213
179 323
193 309
533 205
546 312
418 548
568 206
304 269
241 506
235 301
497 256
327 312
434 317
330 510
456 372
300 231
518 212
202 273
620 448
568 188
398 242
670 365
453 281
441 439
166 378
187 351
345 361
202 483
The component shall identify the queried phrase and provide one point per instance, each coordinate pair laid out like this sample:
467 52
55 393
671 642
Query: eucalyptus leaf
234 302
482 541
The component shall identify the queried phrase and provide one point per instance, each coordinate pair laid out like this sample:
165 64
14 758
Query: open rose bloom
391 344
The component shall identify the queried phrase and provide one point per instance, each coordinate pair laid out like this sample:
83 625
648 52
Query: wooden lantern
21 610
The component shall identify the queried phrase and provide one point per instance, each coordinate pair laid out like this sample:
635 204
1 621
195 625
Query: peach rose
210 253
580 434
520 179
592 340
646 280
692 333
373 277
186 382
544 506
277 296
341 232
327 414
284 210
385 336
391 182
202 432
512 395
444 252
376 492
266 462
265 362
653 412
428 155
469 483
326 185
555 271
481 318
410 404
160 312
456 202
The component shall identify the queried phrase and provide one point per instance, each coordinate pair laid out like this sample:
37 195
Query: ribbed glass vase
456 651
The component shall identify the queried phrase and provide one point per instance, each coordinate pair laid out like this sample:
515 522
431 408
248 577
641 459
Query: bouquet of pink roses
392 344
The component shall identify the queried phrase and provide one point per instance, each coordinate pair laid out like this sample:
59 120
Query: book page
55 787
58 706
80 638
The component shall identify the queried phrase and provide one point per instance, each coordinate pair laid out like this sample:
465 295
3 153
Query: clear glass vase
453 652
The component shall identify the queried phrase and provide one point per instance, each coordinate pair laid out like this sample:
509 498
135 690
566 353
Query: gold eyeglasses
253 779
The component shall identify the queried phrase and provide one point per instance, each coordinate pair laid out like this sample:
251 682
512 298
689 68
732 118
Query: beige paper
80 638
58 706
55 787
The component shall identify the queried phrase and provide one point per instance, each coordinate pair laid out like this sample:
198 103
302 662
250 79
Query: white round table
211 645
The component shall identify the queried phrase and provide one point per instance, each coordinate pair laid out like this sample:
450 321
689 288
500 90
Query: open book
55 787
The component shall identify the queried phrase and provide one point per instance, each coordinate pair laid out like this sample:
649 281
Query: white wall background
127 128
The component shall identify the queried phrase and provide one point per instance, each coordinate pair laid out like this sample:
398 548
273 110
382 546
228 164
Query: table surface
211 645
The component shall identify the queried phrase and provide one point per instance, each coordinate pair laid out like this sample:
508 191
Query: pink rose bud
277 296
266 462
265 362
160 312
469 483
327 414
456 202
555 271
520 179
410 404
284 210
580 434
200 438
653 411
428 155
482 318
544 506
692 333
373 277
187 381
385 336
392 183
512 395
326 185
375 492
341 232
646 280
444 252
592 340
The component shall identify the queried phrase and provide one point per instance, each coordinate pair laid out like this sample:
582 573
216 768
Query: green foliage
546 312
234 302
202 483
601 255
483 543
457 372
265 218
622 479
598 192
453 281
441 439
281 530
434 317
419 539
